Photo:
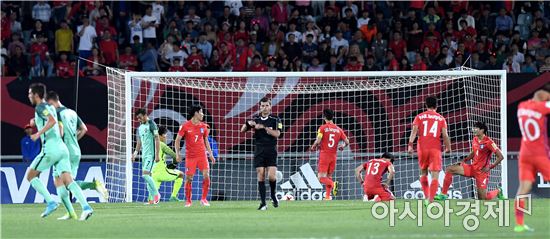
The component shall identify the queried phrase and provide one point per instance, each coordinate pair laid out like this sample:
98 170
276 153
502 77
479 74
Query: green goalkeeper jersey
71 123
164 150
41 114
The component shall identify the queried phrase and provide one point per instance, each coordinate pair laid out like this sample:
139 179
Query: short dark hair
328 114
431 102
52 95
141 111
39 89
193 109
388 155
481 125
265 99
162 129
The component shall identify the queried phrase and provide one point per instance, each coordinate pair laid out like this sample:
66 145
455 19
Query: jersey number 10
524 127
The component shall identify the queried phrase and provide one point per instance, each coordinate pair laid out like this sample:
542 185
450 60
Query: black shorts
265 156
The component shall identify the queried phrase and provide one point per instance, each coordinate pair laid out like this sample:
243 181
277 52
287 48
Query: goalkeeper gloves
172 166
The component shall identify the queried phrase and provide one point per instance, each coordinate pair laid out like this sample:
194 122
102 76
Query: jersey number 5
331 141
433 129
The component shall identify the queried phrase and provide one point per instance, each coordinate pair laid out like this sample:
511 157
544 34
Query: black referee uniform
265 152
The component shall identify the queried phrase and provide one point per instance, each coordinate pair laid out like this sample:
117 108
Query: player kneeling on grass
482 149
328 137
167 173
375 169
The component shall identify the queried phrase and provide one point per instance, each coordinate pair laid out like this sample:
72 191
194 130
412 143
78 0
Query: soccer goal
375 109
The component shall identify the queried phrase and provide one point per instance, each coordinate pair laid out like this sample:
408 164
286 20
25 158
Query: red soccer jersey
331 135
532 117
194 139
39 48
482 152
429 125
374 170
109 51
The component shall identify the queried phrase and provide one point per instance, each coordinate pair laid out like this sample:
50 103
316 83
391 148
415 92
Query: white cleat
205 203
68 216
87 213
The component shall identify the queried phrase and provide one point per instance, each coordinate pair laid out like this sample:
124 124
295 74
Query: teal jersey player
73 130
54 153
149 144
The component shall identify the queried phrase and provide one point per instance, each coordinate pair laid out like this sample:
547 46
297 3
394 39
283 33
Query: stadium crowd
46 38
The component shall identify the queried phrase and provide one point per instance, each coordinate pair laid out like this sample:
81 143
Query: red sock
425 187
188 191
433 189
447 183
205 187
519 214
491 194
328 184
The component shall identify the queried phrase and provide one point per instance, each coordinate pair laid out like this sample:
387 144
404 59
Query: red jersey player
534 153
482 149
195 134
328 137
375 169
431 126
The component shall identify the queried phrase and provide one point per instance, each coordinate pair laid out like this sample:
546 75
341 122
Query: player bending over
164 173
534 152
73 130
149 143
195 134
328 137
431 126
53 153
482 149
372 183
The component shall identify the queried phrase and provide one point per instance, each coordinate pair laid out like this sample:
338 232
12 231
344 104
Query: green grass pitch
240 219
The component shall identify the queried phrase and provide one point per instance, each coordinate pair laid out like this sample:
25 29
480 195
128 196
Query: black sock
261 189
273 186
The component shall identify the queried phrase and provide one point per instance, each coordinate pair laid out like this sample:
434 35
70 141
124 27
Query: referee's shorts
265 156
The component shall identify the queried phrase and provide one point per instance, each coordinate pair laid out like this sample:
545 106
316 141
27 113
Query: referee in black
267 128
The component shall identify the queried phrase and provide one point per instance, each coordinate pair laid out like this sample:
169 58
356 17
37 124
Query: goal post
375 109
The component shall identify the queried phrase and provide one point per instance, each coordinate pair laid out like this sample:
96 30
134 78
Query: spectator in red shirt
109 48
242 56
64 68
227 57
431 43
398 46
6 26
466 30
419 64
41 62
257 64
103 25
176 66
353 65
279 12
242 33
128 61
432 29
391 63
195 62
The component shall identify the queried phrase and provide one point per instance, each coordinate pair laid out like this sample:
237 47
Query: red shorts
383 193
529 166
482 179
327 163
191 165
429 159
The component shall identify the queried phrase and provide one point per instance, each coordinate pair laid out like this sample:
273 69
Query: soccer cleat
156 199
174 199
500 195
68 216
51 207
262 207
99 187
275 203
440 197
150 202
335 188
188 204
205 203
377 198
86 213
329 198
523 228
365 198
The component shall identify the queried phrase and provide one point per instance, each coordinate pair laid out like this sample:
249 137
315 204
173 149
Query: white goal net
375 109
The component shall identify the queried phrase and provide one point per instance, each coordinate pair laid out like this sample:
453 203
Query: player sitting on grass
328 137
167 173
482 149
372 183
